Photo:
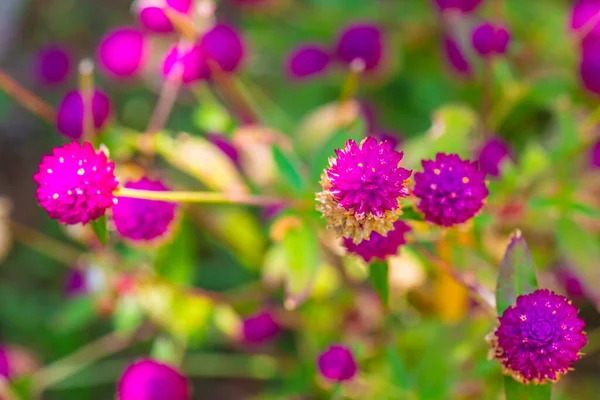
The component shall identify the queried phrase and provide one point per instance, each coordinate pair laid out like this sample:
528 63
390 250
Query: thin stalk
350 86
486 95
166 100
45 244
27 99
232 93
86 86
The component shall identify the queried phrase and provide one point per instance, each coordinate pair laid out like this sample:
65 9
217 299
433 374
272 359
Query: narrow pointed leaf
100 229
288 170
378 273
517 391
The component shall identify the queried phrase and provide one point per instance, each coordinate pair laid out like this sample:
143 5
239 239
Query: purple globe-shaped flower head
465 6
570 282
361 42
307 61
337 364
151 13
53 64
141 220
455 57
491 155
76 183
584 18
450 190
122 52
223 45
5 369
70 113
378 246
189 61
259 328
76 283
595 155
362 188
147 379
589 65
539 338
489 40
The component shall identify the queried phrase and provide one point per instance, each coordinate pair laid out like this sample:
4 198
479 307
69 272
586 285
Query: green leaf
567 140
517 273
167 350
128 315
517 391
410 213
76 314
100 229
378 274
399 372
289 170
177 260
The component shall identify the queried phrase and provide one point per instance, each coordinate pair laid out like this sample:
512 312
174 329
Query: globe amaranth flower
362 42
70 113
5 369
147 379
451 190
76 283
76 183
188 60
307 61
584 18
491 155
337 364
488 39
539 338
142 219
589 65
122 52
153 17
53 64
361 189
378 246
465 6
594 156
223 45
259 328
570 282
455 57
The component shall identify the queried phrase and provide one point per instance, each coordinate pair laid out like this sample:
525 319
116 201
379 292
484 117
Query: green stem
45 245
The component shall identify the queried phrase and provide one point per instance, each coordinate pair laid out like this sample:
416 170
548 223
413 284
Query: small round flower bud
52 64
190 59
337 364
307 61
75 183
69 116
76 283
223 45
362 42
539 337
361 189
259 328
488 39
142 220
378 246
122 52
451 191
147 379
455 57
465 6
491 155
152 15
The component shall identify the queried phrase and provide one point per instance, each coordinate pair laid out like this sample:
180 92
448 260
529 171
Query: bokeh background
431 345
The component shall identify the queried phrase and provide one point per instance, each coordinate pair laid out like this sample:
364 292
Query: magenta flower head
69 116
465 6
152 15
488 39
122 52
589 65
307 61
450 190
378 246
76 283
147 379
223 45
455 57
142 220
76 183
260 328
362 188
5 369
570 282
362 42
53 64
337 364
583 18
491 156
189 60
539 338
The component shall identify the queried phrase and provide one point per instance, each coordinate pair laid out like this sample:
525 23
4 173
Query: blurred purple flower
5 369
378 246
465 6
52 64
589 66
273 210
595 155
361 42
121 52
69 116
192 61
76 283
391 136
488 39
225 145
223 45
307 61
259 328
147 379
585 16
337 364
456 57
491 155
153 17
570 282
367 111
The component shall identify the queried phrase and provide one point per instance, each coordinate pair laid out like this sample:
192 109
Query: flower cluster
361 189
70 113
150 380
539 338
